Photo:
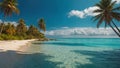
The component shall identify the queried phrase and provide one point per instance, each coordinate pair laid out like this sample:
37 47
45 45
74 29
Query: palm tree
21 28
107 13
2 25
13 29
8 7
33 31
42 24
10 29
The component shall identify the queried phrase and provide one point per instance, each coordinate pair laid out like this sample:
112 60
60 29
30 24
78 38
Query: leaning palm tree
107 12
42 25
8 7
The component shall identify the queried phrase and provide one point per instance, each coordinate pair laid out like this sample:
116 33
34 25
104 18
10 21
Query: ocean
72 53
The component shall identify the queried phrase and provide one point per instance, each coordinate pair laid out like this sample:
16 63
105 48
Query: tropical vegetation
9 31
42 24
20 31
7 8
107 13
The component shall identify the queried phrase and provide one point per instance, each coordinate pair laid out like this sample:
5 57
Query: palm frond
8 7
99 5
42 24
116 9
101 19
98 11
115 15
113 3
97 17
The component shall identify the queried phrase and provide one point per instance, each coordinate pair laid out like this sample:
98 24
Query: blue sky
73 16
55 12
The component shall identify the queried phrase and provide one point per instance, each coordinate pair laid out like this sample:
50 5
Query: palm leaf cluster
9 29
8 7
21 27
107 13
42 25
20 31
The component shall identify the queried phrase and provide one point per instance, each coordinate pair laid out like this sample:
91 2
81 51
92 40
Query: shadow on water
104 59
61 44
12 59
90 44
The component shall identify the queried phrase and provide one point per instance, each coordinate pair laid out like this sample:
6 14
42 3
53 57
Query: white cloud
89 11
118 1
82 32
84 13
12 22
76 13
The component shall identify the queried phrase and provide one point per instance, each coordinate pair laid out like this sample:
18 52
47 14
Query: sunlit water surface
73 53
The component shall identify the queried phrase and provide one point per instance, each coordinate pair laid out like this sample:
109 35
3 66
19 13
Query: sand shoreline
14 45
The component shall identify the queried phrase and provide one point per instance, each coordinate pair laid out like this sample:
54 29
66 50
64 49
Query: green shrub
16 37
1 38
10 37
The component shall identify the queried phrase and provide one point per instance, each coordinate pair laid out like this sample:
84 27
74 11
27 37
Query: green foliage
21 28
8 37
1 27
42 24
8 7
20 32
11 37
12 32
33 32
1 38
9 29
106 13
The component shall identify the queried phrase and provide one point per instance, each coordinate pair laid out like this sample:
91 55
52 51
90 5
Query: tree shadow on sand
13 59
101 59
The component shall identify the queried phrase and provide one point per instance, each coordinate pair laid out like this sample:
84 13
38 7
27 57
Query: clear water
72 53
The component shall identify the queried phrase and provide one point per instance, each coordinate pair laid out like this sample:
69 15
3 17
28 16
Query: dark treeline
21 31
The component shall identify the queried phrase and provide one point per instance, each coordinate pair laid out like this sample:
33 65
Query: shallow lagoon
69 53
79 53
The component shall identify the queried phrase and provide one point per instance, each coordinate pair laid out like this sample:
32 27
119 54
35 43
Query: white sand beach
14 45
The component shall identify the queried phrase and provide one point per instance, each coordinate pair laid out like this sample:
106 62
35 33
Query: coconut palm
2 25
33 31
21 28
10 29
8 7
107 12
42 24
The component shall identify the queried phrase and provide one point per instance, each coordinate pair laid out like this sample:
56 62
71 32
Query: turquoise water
70 53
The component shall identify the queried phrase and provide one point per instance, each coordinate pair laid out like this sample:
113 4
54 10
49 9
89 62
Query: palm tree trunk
114 30
2 26
116 27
